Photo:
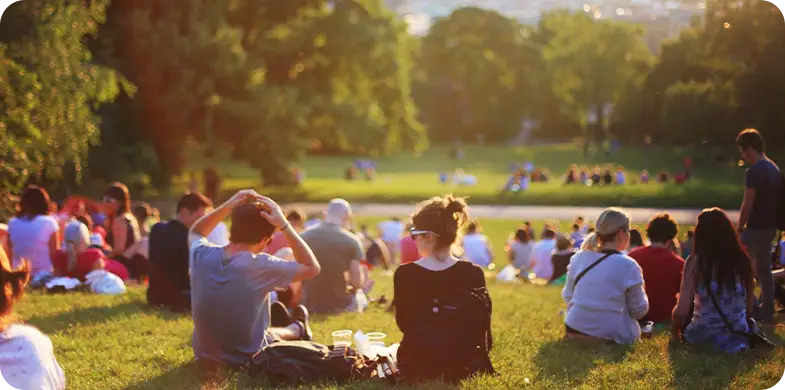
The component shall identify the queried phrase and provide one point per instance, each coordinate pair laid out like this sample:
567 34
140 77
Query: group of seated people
366 168
607 175
229 287
608 293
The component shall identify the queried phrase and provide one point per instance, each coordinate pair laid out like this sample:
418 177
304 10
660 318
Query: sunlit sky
419 14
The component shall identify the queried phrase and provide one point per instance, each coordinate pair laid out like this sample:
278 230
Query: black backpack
300 362
455 330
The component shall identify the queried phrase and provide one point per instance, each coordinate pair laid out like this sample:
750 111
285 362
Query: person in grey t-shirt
230 285
758 215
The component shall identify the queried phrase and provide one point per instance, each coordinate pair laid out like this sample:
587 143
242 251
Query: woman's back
608 299
707 325
30 238
425 316
521 254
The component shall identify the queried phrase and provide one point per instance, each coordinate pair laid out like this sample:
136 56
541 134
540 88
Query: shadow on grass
95 315
702 367
575 359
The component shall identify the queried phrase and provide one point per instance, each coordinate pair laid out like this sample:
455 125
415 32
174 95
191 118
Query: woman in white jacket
604 290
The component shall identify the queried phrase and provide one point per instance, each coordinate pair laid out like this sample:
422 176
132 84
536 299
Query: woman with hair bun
604 289
27 359
442 306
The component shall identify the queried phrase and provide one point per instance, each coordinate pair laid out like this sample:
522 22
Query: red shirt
85 263
662 275
409 252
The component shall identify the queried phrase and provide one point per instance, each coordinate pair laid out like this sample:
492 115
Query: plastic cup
376 338
342 338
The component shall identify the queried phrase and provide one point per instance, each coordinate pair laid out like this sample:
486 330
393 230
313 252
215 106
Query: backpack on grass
301 362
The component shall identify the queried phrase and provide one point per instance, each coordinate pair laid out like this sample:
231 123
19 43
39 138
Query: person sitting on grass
340 253
621 176
476 247
636 239
230 286
521 250
79 258
541 254
661 268
561 257
436 344
687 244
34 235
168 267
645 177
718 279
604 289
27 358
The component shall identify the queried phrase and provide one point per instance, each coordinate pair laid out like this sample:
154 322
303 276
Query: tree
473 63
591 63
265 77
49 88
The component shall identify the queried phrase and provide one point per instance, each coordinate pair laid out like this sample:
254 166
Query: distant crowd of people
255 281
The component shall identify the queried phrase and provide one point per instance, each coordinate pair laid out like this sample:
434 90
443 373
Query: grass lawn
407 178
119 343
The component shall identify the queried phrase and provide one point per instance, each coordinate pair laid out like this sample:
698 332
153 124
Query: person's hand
243 196
273 213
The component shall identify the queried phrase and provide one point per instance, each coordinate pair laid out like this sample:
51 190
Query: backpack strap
596 263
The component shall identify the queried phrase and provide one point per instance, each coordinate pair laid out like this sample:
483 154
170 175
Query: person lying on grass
27 359
230 286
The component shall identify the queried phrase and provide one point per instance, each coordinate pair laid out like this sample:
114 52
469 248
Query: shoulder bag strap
722 315
596 263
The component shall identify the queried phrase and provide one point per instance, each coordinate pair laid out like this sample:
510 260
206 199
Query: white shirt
30 241
220 235
475 249
576 236
609 298
541 255
27 360
391 231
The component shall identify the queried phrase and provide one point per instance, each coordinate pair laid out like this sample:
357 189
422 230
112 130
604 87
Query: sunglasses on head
414 232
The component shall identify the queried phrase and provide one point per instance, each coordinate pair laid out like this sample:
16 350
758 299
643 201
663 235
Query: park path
521 213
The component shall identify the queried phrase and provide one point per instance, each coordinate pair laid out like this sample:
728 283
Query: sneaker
279 315
300 314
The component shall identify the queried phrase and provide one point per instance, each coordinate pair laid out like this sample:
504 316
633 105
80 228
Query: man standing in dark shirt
758 216
168 264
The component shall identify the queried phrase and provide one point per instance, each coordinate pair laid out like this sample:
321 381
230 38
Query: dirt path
562 213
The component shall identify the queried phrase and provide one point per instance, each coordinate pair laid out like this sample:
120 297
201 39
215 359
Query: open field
408 178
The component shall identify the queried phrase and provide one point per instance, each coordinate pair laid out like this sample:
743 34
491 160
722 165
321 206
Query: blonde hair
610 222
76 233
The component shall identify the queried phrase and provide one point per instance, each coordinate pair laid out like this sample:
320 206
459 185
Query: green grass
119 343
407 178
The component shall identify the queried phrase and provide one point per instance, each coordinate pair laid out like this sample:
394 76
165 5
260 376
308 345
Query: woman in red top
79 259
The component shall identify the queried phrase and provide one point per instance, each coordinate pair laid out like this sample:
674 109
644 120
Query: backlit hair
13 282
610 222
443 215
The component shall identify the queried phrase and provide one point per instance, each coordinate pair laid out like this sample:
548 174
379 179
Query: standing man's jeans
758 243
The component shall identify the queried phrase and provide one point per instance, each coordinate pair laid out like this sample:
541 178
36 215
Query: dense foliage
49 89
124 84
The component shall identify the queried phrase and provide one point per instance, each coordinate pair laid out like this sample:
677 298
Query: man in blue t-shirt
758 216
231 285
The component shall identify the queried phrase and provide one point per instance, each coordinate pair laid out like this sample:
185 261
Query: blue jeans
758 243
